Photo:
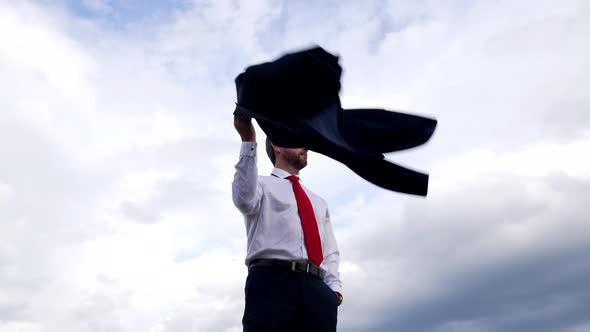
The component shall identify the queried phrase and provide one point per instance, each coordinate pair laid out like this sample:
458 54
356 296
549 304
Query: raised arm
245 128
246 192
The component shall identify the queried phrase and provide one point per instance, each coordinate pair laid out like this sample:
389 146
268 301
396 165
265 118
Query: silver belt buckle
307 267
293 265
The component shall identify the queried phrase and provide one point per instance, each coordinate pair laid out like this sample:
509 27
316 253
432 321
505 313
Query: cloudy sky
117 150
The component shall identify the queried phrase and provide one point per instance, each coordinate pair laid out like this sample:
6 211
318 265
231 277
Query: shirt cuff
335 286
248 149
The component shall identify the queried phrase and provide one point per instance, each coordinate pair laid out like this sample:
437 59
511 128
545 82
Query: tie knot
292 178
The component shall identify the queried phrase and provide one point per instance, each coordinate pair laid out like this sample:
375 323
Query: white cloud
118 151
98 5
488 224
5 194
16 326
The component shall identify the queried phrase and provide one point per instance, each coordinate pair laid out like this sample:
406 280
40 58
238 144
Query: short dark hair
269 151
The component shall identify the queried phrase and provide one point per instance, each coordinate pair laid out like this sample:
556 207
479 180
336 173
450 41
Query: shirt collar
281 173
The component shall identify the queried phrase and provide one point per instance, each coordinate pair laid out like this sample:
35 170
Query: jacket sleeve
246 191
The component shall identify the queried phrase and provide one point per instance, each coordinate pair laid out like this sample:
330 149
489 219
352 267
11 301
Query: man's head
289 159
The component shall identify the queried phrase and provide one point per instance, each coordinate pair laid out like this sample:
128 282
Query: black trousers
283 300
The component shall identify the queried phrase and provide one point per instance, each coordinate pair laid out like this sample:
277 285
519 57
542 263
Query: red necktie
308 223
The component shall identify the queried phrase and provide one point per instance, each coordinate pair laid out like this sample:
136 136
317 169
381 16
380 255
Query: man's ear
276 149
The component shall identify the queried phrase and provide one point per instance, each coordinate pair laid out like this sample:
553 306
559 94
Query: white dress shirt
272 220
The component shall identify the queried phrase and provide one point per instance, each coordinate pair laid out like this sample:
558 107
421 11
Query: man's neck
287 168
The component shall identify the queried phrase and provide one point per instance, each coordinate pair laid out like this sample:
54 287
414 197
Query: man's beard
295 160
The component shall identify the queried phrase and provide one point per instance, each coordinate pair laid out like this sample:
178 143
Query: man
293 281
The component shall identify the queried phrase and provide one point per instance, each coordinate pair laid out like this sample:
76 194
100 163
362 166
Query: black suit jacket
296 103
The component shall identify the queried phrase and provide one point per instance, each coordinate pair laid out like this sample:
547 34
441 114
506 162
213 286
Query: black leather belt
297 266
